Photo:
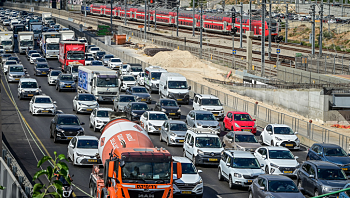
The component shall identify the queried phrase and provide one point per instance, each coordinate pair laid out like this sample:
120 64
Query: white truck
36 27
99 81
7 41
67 35
52 48
25 41
174 86
46 17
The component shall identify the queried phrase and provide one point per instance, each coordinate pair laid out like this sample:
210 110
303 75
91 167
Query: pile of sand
177 59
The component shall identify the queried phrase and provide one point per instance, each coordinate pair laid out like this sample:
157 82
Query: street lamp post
177 20
201 31
144 28
125 12
111 16
194 19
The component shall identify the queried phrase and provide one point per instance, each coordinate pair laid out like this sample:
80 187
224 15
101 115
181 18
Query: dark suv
134 110
65 127
170 107
330 153
320 177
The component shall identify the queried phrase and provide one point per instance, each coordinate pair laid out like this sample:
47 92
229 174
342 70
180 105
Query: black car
99 55
140 93
44 29
65 127
13 58
170 107
29 52
41 69
320 177
134 110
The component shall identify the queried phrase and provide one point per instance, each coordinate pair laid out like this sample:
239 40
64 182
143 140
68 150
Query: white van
152 77
174 86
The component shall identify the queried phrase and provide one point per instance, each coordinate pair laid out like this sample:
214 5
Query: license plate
288 172
88 109
45 111
68 86
246 129
179 99
16 78
92 160
69 138
143 99
30 94
181 141
216 114
43 72
250 181
345 169
289 144
186 192
212 160
171 113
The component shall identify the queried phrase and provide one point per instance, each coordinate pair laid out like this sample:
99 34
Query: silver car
202 119
173 132
106 58
15 72
121 101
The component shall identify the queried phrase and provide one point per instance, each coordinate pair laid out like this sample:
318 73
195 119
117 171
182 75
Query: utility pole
111 16
233 32
313 29
329 14
270 28
149 19
263 37
194 20
155 16
201 31
250 15
241 28
286 25
85 13
125 12
0 118
321 29
145 30
177 20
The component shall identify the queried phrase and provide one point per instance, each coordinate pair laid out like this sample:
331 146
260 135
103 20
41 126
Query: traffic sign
234 51
278 51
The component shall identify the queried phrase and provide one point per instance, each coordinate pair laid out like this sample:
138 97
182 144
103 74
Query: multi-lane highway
27 150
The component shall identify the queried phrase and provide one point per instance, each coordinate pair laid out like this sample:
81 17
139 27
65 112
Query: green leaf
55 153
44 159
39 173
37 187
64 173
40 195
55 194
62 157
2 188
58 185
63 166
50 172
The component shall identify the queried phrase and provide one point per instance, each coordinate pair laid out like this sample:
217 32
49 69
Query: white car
239 168
6 22
209 103
152 121
7 63
140 78
127 81
280 135
190 182
52 77
33 57
42 104
88 60
99 117
82 150
94 50
123 69
84 103
277 160
114 63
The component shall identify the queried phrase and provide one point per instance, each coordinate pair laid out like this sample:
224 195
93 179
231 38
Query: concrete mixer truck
132 167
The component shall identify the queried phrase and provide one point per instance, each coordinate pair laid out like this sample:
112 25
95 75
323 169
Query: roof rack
203 130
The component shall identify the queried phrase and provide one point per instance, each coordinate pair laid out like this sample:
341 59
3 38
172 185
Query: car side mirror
320 153
264 156
262 188
254 119
179 105
262 165
72 175
166 129
165 87
296 157
71 145
54 102
82 123
39 86
224 145
189 87
191 144
270 132
295 133
200 171
228 164
151 109
192 118
311 176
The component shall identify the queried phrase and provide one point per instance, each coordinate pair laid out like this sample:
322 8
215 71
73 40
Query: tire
73 160
220 178
59 89
184 153
51 136
250 194
68 156
20 97
272 144
95 129
316 194
194 160
267 169
232 129
55 138
224 126
90 125
92 189
56 87
307 158
230 183
168 142
262 140
160 138
73 108
299 185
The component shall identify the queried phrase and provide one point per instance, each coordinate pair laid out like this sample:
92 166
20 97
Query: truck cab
7 41
72 68
174 86
25 41
52 48
152 77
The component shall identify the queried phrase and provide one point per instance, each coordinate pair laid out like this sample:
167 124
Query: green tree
58 168
195 5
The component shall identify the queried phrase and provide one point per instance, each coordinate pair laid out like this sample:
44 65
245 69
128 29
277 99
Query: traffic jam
127 104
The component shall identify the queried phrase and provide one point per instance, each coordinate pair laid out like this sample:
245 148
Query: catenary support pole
241 28
177 20
313 29
125 4
111 16
250 15
263 37
321 29
144 28
201 32
193 16
286 25
269 29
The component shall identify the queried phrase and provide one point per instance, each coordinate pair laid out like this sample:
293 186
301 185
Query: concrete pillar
250 35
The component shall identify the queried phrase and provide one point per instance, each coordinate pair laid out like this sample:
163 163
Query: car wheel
299 185
220 178
194 160
59 89
272 144
250 194
56 87
73 160
90 125
307 158
73 108
267 169
262 140
95 129
316 194
20 97
230 183
224 126
51 136
167 142
68 156
232 128
160 138
55 138
92 190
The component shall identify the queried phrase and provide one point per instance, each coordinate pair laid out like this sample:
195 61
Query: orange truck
132 166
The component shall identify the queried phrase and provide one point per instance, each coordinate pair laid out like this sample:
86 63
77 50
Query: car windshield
67 77
245 138
97 63
16 69
40 60
205 116
29 85
6 55
36 55
178 127
283 131
42 66
26 43
116 60
54 46
139 90
42 100
68 121
128 78
107 82
331 174
87 144
245 163
102 114
55 73
156 75
211 102
139 107
89 59
208 142
94 49
136 69
10 63
177 84
242 117
75 56
86 97
124 66
282 186
334 152
157 116
280 154
109 56
168 103
127 99
146 171
100 53
187 168
75 69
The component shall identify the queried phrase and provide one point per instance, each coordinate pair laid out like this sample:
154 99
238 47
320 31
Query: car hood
284 162
43 69
138 112
178 91
208 122
122 104
179 133
68 81
129 82
141 95
286 137
88 102
187 178
16 73
249 145
250 172
211 108
156 122
170 108
287 195
30 89
211 150
105 59
70 127
335 183
338 160
53 77
103 119
90 152
245 123
44 105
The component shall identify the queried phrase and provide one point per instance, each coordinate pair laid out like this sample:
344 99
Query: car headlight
37 91
81 131
199 124
96 104
278 139
199 182
61 83
60 130
150 124
236 125
79 103
80 155
274 165
237 175
326 188
200 152
164 110
179 110
173 134
99 121
133 114
218 125
222 111
22 91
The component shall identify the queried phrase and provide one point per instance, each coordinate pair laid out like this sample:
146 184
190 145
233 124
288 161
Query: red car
239 121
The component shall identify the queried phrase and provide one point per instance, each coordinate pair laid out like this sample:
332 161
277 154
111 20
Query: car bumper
64 87
218 115
105 98
135 118
23 49
115 67
52 81
154 129
99 125
277 171
176 140
147 100
242 181
87 161
249 129
217 129
51 56
180 99
289 145
207 160
173 114
188 191
86 109
41 73
44 111
29 95
13 79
